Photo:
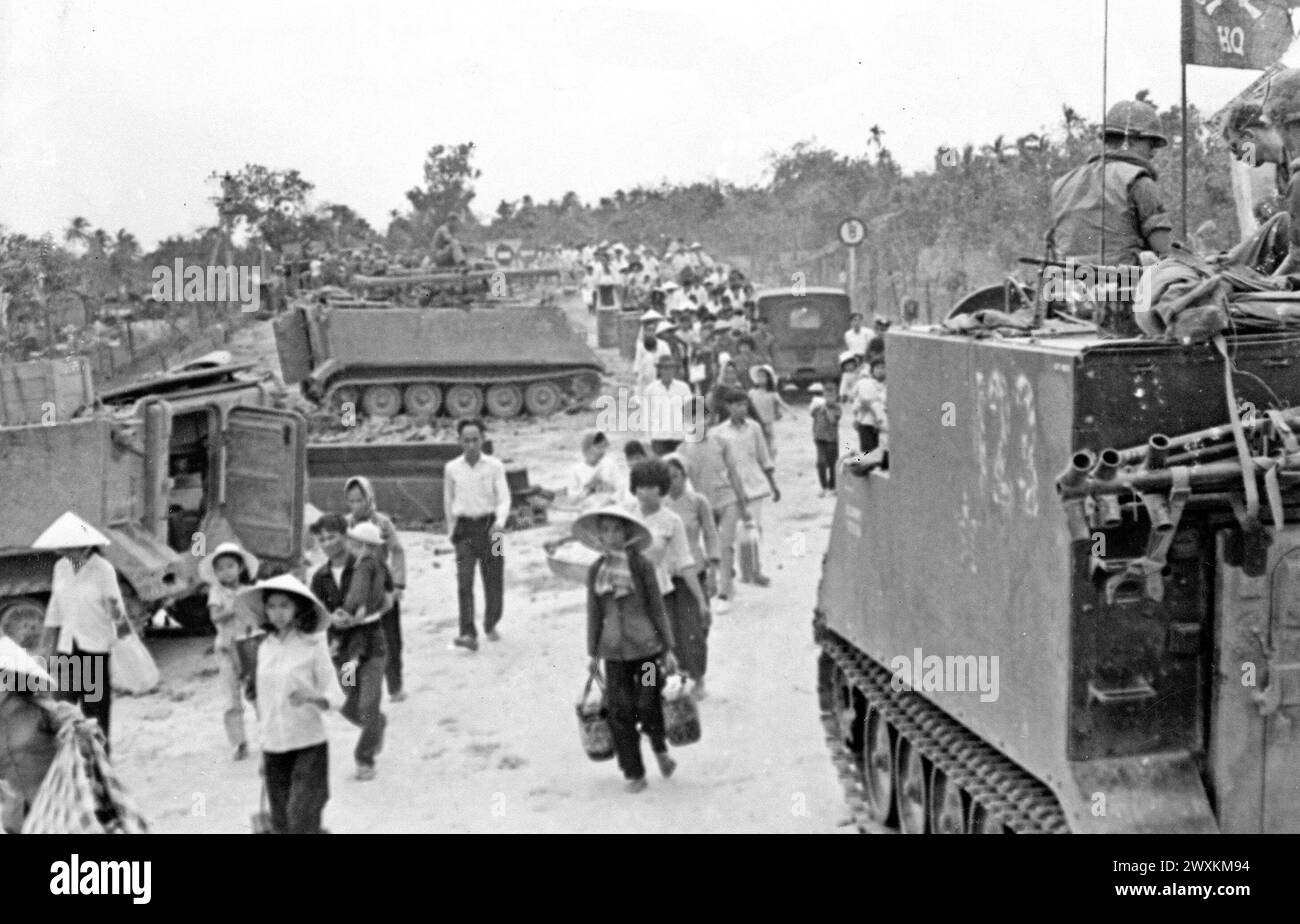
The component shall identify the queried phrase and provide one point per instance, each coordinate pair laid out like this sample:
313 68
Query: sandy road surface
488 741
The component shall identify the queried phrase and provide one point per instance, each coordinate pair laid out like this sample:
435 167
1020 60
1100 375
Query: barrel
607 327
629 329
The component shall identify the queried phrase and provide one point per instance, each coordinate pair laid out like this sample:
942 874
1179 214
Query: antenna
1105 47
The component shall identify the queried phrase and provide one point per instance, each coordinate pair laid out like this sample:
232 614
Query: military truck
501 354
1060 605
808 326
167 469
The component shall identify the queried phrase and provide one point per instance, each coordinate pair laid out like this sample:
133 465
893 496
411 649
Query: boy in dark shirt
357 646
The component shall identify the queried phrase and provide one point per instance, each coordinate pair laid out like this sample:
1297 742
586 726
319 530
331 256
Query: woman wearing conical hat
85 614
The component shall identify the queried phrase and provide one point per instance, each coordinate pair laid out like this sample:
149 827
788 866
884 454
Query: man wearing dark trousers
476 503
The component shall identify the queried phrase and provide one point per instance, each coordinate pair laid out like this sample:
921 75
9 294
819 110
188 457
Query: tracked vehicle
1071 600
457 344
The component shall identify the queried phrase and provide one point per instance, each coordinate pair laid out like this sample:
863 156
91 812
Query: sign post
853 231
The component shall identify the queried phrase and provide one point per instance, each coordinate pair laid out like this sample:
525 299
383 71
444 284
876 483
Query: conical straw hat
70 532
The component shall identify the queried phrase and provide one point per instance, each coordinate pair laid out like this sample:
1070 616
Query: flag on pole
1249 34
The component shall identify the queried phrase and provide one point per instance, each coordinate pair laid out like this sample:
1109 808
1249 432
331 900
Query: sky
119 112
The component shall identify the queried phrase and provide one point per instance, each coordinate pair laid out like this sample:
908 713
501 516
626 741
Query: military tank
455 344
1066 599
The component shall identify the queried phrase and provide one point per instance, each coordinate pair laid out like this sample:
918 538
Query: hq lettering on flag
1235 33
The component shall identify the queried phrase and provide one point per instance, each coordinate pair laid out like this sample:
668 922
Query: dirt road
488 741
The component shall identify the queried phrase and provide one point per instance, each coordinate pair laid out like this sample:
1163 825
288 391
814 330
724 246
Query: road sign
504 254
853 231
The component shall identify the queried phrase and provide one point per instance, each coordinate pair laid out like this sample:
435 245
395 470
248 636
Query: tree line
960 223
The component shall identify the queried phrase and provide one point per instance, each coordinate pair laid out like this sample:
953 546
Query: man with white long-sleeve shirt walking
476 503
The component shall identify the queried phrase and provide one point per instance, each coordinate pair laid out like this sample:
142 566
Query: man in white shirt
646 356
665 407
857 337
476 503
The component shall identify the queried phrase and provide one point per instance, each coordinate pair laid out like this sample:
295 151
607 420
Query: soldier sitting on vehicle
447 250
1117 186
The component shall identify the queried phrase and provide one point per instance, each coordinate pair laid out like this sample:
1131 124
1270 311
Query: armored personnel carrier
167 469
456 344
1069 600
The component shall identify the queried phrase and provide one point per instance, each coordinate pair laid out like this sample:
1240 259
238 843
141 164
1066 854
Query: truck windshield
805 318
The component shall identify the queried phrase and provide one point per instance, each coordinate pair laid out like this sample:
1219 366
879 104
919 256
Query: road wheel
382 401
878 769
345 398
504 401
463 401
543 398
946 813
911 787
422 399
21 618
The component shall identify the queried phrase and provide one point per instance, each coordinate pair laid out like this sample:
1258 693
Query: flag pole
1183 110
1184 54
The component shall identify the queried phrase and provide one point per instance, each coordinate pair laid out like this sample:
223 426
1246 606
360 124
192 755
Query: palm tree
77 232
100 242
126 249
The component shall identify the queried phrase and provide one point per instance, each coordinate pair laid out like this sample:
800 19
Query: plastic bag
130 666
593 721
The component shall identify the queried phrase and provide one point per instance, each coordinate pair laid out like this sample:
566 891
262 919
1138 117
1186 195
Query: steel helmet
1136 118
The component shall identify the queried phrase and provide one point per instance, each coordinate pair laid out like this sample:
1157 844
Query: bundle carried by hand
82 793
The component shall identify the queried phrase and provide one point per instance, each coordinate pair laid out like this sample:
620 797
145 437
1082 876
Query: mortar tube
1211 434
1077 471
1076 520
1157 452
1198 456
1211 475
1158 511
1108 462
1109 514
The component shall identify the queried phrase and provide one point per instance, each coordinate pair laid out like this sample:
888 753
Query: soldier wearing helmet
1282 109
1119 186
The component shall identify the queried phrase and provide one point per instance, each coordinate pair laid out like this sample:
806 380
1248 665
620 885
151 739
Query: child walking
296 683
226 571
826 436
767 403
